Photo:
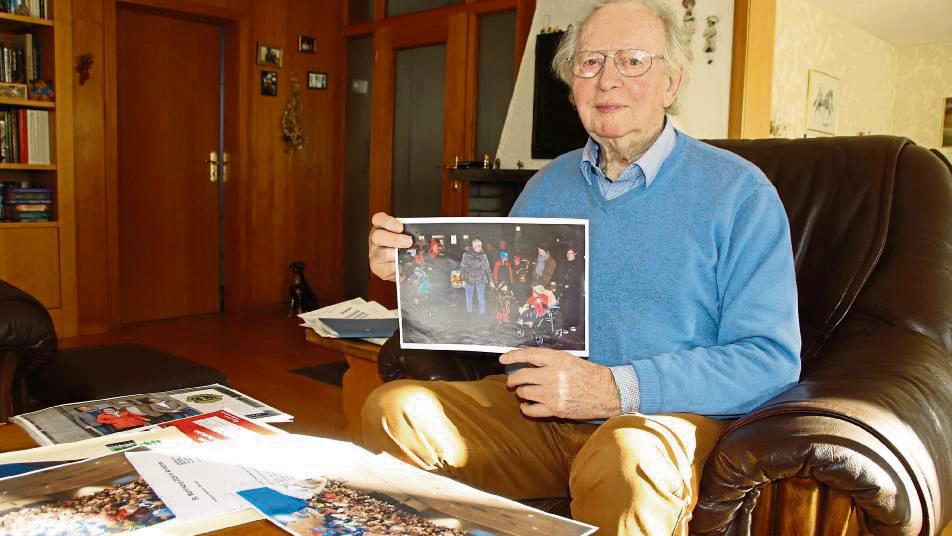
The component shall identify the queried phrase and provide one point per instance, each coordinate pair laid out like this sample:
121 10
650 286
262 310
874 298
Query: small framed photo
823 100
316 80
269 83
268 55
307 44
13 91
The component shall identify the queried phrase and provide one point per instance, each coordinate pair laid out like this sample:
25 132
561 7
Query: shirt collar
650 162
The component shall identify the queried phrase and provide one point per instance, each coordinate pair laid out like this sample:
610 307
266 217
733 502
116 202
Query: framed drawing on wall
822 102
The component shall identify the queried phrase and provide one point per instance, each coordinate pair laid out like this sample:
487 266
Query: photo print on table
494 284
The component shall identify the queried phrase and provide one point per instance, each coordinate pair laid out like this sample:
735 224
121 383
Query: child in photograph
521 271
86 417
537 305
502 281
120 420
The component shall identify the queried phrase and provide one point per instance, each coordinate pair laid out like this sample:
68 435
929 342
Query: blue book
353 328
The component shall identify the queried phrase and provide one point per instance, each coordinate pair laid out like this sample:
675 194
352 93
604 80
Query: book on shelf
24 136
20 61
25 204
33 8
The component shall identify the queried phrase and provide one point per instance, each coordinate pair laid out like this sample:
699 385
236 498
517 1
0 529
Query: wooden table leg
360 379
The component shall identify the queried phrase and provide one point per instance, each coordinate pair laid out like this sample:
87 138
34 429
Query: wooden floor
256 353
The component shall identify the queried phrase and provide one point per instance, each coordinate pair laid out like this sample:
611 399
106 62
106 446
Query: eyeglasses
631 62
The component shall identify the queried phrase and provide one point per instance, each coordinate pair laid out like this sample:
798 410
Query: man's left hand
558 384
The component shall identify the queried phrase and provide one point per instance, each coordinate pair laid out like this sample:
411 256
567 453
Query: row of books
21 204
30 8
24 136
20 62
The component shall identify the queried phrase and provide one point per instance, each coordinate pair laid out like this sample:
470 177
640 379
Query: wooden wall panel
285 205
22 247
92 266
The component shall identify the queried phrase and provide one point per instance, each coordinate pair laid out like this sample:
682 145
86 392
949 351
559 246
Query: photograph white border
484 220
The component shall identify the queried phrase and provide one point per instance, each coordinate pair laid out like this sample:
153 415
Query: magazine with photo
335 506
219 425
96 418
97 496
494 284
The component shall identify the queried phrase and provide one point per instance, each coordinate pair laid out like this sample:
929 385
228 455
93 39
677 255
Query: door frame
237 28
457 28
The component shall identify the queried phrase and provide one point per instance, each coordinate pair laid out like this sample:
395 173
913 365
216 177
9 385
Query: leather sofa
863 444
35 374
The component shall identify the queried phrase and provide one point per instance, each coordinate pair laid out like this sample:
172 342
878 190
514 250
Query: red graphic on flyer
217 426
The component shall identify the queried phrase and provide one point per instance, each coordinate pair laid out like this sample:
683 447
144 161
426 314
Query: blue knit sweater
691 278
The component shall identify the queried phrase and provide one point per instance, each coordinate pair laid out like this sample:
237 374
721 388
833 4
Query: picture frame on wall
268 55
823 99
307 44
316 80
269 83
947 124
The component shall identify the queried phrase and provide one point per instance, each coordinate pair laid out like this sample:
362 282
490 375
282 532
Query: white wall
923 83
884 89
704 100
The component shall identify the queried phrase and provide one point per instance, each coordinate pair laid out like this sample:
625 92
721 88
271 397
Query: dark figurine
302 297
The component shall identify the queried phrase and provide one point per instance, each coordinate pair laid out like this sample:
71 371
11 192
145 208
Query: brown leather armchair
864 442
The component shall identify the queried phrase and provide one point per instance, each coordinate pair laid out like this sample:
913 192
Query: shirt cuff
629 391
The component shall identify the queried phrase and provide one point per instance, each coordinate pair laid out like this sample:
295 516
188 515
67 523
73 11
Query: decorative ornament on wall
83 63
710 38
293 117
689 24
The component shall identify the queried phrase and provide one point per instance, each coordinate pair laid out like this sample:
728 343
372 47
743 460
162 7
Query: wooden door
168 71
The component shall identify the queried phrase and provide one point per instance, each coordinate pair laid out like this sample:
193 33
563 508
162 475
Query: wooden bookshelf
28 167
18 23
26 103
28 224
40 257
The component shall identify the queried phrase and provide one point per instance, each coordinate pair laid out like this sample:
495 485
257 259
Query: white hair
677 55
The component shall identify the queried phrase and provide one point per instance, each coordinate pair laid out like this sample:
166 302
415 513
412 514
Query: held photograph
494 284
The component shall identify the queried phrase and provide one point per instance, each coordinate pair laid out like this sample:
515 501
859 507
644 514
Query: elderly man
692 302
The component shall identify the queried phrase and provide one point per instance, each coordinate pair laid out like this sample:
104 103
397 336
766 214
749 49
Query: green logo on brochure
204 398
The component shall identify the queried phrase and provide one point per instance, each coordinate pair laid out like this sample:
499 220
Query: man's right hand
384 237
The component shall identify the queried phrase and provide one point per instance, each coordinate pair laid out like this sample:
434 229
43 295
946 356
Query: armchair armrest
868 421
395 363
25 327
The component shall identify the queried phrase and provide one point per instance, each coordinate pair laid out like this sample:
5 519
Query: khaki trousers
634 474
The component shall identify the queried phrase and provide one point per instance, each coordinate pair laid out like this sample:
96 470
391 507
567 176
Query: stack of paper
356 318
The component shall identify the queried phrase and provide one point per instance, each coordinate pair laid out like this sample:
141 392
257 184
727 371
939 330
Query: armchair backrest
846 198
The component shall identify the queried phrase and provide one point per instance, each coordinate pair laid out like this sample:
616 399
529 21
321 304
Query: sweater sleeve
757 354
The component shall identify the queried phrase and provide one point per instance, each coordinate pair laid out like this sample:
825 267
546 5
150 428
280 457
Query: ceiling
902 23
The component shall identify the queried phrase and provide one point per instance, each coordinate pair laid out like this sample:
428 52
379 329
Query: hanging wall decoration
292 118
688 20
83 63
710 38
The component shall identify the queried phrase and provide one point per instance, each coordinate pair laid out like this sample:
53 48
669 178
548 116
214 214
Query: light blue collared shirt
641 172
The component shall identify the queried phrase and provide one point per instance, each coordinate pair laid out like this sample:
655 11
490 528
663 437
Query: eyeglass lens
631 62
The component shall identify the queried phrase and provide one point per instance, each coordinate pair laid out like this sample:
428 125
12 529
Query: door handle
225 160
212 166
